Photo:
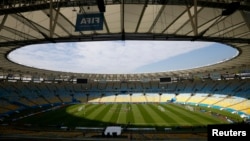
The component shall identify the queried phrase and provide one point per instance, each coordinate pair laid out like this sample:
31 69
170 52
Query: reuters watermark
229 131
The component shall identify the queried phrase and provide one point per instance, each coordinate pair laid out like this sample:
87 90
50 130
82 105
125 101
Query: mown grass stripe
188 117
81 117
130 114
171 118
78 111
78 117
93 113
116 113
156 116
101 113
200 117
122 116
90 108
107 117
162 120
138 116
73 108
176 116
146 116
96 115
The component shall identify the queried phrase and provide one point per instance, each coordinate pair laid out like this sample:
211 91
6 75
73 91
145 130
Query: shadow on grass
59 118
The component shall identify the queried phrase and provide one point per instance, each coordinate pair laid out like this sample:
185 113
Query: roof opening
115 57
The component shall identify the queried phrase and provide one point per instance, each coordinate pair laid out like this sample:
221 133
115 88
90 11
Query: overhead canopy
41 21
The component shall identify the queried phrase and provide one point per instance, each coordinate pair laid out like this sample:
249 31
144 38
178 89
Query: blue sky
109 57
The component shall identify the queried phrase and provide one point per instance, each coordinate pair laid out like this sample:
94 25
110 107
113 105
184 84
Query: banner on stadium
89 22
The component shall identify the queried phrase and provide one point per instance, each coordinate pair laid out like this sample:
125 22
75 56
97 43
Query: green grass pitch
137 115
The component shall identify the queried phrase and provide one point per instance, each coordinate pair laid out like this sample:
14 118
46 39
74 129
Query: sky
117 57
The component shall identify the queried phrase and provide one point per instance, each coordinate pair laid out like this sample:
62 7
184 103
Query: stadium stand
40 94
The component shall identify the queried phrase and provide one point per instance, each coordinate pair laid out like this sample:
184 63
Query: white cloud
100 56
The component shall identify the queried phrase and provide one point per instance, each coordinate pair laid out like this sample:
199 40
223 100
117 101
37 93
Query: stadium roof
25 22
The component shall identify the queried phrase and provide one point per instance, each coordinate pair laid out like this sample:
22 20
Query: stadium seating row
232 94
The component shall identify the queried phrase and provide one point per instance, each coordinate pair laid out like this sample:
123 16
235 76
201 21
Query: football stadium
44 103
